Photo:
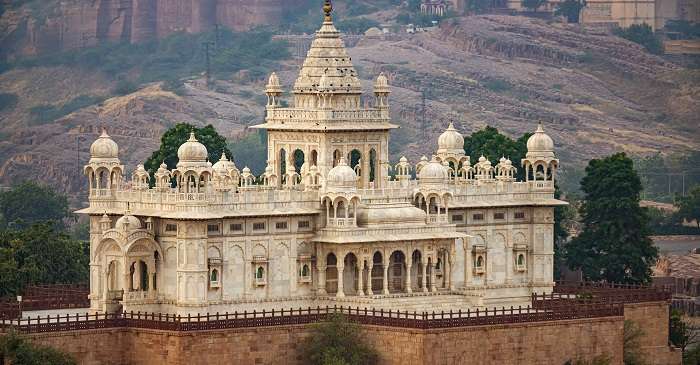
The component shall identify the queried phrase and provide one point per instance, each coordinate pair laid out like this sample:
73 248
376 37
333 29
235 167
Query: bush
7 101
42 114
643 35
16 350
337 341
497 85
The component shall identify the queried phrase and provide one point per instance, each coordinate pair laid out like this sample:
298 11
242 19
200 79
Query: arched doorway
350 282
417 270
331 274
377 275
397 272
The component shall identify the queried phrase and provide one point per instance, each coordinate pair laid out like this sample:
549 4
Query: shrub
497 85
338 341
643 35
16 350
8 101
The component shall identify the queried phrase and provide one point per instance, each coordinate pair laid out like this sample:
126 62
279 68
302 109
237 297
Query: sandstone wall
652 318
535 343
530 343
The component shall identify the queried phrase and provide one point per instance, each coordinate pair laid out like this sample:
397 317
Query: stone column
448 273
137 277
424 279
321 284
341 290
409 263
433 287
369 278
360 289
385 284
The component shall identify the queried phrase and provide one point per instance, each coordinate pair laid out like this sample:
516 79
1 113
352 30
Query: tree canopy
338 342
533 4
494 145
571 9
643 35
39 254
28 203
174 137
689 206
614 245
16 350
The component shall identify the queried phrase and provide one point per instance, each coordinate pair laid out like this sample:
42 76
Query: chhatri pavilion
331 221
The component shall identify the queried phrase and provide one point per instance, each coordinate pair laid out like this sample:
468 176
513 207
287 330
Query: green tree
681 333
478 6
533 5
251 151
174 137
614 245
494 145
28 203
40 254
16 350
689 206
337 341
642 34
571 9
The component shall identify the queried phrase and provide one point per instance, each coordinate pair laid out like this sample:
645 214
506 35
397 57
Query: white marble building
343 227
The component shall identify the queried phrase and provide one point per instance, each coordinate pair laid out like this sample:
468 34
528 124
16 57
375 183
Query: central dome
390 214
192 151
133 222
540 142
451 141
342 176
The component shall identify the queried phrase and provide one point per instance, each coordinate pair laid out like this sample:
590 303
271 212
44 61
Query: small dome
163 169
434 171
192 151
451 141
140 169
482 159
134 223
540 142
273 84
381 85
403 159
246 170
104 147
342 176
223 165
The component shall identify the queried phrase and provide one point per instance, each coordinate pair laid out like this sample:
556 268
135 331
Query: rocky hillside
39 26
595 93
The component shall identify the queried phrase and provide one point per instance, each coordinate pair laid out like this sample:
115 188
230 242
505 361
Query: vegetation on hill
174 137
251 151
665 177
571 9
689 206
642 34
337 341
533 5
28 203
614 245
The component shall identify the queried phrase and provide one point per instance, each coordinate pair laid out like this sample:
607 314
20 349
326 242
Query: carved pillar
385 283
369 278
341 290
424 279
448 272
360 289
321 284
433 287
408 275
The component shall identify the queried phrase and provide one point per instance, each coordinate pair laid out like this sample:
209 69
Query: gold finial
328 9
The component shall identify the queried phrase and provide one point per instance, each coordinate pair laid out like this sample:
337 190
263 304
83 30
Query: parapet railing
589 292
46 297
402 319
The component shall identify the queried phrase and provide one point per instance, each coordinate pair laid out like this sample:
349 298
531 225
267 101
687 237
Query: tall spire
328 9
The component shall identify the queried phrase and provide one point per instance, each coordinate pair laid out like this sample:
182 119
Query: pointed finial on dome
540 128
328 9
451 127
223 157
342 162
104 133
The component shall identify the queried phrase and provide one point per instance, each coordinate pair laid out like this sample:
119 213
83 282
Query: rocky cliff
50 25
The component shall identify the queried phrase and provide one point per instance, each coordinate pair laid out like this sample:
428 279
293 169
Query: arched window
283 162
479 261
336 157
521 260
214 276
305 271
260 273
314 158
372 164
298 160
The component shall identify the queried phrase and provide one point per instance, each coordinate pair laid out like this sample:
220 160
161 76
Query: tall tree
28 203
494 145
174 137
571 9
614 245
689 206
39 254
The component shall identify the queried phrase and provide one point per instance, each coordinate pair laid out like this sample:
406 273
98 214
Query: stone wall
527 343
